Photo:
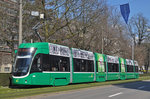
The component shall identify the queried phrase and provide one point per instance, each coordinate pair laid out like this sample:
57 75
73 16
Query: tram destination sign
112 59
82 54
59 50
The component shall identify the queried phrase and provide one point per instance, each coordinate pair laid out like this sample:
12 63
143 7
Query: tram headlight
17 80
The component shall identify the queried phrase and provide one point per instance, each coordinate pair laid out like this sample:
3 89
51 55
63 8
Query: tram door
38 77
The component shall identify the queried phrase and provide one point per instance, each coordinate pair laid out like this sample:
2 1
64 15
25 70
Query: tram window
90 66
97 62
116 67
136 69
46 65
36 65
112 67
81 65
54 63
76 65
46 62
105 66
59 63
64 64
97 66
120 67
130 68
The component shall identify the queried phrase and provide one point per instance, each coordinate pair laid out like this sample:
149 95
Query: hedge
4 79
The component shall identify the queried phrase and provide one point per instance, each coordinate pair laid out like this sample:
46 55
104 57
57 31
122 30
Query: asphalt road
135 90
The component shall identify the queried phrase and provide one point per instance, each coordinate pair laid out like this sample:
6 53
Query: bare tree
9 29
115 39
89 25
138 26
58 17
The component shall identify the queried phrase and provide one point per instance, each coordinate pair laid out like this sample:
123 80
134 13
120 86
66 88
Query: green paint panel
54 79
113 76
136 75
58 79
83 77
123 76
41 47
60 82
40 78
130 75
100 77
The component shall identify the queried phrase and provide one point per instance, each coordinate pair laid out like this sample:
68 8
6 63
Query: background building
10 10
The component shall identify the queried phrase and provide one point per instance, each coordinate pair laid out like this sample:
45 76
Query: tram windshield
23 61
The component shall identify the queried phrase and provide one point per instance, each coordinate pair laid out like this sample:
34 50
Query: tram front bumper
21 81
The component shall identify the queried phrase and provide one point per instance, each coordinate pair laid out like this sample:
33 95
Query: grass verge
6 92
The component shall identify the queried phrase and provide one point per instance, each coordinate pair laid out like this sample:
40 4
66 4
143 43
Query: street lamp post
133 46
20 22
133 49
102 42
34 13
148 30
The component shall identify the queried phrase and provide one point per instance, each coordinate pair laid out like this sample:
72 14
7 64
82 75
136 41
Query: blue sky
136 6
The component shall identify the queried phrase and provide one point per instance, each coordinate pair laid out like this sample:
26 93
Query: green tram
52 64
